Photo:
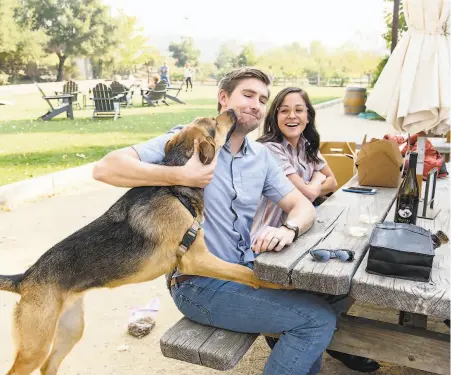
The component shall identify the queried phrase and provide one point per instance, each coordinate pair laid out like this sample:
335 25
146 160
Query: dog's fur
136 240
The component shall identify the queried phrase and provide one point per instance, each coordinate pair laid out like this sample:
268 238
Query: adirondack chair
105 103
66 105
152 97
70 87
176 91
126 94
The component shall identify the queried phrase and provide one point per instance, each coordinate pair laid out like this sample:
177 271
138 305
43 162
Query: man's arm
300 212
123 168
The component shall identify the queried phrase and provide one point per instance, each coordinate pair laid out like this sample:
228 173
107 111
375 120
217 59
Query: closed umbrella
413 92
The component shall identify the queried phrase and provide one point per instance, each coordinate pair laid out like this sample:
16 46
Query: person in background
188 74
151 83
153 80
164 73
290 134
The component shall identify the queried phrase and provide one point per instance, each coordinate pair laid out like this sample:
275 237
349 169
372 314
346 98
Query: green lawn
30 148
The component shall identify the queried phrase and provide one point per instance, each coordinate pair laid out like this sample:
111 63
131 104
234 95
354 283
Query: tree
74 27
19 45
184 52
247 56
227 57
402 25
132 46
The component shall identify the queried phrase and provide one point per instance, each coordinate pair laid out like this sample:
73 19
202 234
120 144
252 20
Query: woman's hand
273 239
318 178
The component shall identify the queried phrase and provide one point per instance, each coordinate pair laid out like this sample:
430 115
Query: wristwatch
293 227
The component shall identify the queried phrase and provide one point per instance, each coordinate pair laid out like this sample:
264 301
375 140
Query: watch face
291 224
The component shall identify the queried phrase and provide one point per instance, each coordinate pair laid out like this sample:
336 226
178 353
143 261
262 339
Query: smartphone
360 190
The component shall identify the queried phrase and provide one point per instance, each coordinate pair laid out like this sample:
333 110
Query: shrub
379 69
3 78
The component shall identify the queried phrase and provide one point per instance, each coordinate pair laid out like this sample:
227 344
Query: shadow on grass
136 123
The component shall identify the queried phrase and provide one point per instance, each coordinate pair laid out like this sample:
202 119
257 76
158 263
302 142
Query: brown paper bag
378 163
340 159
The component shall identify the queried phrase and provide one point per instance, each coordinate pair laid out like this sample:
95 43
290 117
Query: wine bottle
408 195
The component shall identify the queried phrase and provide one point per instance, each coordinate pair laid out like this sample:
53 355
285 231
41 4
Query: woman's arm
311 191
330 183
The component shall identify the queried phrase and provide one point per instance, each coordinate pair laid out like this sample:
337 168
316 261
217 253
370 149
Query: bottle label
406 212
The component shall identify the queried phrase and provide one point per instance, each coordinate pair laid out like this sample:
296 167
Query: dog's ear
170 144
207 151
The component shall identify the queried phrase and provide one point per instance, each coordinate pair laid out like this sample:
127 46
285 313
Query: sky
273 22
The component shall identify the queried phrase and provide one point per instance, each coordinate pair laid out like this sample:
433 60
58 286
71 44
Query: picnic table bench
408 343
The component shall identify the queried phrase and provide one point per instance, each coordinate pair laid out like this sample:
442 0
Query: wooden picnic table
409 343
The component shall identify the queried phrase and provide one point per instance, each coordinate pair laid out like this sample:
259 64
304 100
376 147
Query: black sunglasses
323 255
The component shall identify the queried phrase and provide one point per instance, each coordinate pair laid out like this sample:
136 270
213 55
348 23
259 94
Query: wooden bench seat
206 346
220 349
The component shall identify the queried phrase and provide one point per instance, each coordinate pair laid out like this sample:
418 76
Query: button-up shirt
291 160
232 196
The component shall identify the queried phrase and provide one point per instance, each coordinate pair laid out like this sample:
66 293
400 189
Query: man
233 184
164 74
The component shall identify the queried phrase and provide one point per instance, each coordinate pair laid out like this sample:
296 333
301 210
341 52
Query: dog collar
187 203
188 239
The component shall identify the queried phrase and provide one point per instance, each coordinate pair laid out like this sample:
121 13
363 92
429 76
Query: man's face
248 100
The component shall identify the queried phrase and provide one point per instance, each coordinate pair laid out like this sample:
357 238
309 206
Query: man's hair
231 80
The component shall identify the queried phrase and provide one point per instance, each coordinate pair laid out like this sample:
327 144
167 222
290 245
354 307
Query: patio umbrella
413 92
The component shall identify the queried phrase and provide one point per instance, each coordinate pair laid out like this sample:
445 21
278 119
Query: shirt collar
301 144
245 148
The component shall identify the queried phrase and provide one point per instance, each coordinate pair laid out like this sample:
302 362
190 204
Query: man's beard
246 126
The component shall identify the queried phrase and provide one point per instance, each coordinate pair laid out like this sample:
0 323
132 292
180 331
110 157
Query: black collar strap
187 203
188 239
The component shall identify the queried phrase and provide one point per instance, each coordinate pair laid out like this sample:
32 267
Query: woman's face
292 117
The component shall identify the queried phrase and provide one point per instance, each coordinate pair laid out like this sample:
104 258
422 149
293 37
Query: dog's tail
11 283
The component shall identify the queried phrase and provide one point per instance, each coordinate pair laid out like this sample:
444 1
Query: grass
30 147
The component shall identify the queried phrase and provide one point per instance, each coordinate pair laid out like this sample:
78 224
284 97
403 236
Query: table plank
277 267
334 277
294 266
432 298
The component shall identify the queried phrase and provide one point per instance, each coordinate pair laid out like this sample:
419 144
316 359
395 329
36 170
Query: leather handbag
403 251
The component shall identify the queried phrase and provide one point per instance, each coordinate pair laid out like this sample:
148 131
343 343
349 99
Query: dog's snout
232 115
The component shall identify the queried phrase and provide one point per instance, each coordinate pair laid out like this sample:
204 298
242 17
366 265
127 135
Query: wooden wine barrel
354 101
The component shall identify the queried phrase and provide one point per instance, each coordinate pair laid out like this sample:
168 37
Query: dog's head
211 134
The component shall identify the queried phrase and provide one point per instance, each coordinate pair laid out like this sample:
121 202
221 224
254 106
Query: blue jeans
166 78
306 321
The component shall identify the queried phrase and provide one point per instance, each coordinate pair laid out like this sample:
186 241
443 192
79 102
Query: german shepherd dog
135 240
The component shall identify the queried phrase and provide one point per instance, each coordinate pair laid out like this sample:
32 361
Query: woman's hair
272 133
153 80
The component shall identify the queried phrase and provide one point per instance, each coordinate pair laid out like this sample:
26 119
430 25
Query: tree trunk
395 25
62 59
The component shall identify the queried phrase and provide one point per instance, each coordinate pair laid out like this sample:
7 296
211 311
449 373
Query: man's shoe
355 362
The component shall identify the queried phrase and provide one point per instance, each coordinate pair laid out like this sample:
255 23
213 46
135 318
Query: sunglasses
323 255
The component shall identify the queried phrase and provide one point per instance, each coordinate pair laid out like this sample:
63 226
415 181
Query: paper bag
378 163
340 159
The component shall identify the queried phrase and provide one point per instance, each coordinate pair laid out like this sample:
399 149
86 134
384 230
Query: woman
188 74
153 80
290 133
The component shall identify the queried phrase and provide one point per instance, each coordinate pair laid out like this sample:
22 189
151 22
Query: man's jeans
306 321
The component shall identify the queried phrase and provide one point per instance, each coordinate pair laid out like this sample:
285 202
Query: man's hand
194 173
273 239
